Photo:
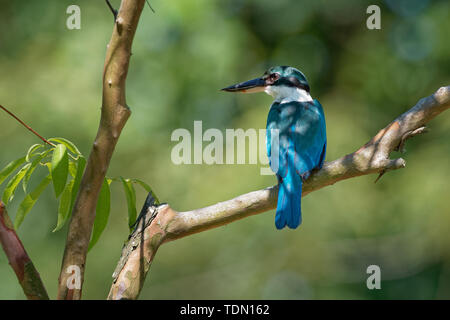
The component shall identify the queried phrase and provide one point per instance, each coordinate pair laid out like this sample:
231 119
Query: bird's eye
273 77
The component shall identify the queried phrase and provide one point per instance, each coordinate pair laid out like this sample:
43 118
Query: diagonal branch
165 224
19 260
27 126
114 115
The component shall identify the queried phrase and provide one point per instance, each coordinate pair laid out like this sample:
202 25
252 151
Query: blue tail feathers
289 210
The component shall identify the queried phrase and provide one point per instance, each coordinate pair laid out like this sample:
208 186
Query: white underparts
283 94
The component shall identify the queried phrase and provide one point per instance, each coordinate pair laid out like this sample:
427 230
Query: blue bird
296 137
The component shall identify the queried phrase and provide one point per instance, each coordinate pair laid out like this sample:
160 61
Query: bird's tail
289 201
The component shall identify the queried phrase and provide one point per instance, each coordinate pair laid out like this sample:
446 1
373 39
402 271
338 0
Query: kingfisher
296 139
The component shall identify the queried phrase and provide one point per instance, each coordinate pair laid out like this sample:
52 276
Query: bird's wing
309 135
323 133
276 129
302 136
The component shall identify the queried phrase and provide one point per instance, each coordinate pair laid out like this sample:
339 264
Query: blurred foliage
65 165
182 55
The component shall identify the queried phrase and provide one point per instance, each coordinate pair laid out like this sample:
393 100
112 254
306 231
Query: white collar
283 94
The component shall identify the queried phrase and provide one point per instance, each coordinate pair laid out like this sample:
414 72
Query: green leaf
147 188
131 200
59 168
8 194
64 206
101 213
30 170
10 168
69 194
32 149
69 144
72 168
30 200
81 163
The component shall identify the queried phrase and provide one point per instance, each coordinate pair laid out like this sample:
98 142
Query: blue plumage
296 136
302 146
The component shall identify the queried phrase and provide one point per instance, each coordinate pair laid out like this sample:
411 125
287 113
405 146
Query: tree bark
19 260
165 224
114 115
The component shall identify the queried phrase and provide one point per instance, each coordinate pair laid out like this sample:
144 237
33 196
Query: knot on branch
442 95
119 24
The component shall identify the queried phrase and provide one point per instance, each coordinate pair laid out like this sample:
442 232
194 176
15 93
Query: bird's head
275 81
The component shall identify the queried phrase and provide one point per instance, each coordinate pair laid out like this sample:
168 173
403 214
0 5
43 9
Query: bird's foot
305 175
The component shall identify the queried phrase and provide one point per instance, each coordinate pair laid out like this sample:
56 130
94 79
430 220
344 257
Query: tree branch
165 224
19 260
114 115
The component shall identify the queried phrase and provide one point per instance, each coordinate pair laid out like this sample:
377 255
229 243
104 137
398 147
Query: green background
182 55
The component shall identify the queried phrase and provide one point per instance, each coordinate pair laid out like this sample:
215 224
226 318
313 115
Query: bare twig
19 260
115 114
148 3
27 126
114 11
168 224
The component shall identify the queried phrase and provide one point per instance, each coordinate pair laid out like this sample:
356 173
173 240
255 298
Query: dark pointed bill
255 85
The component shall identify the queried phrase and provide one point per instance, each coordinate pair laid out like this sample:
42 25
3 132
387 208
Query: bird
296 139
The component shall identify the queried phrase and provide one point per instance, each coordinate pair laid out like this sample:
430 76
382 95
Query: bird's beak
255 85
